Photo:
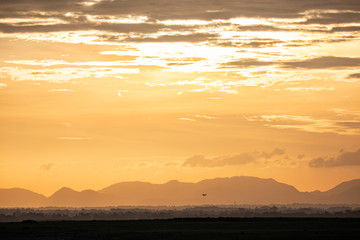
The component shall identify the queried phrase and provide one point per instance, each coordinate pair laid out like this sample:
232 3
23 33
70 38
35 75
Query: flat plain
187 228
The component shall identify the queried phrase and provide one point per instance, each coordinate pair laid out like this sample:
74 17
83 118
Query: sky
96 92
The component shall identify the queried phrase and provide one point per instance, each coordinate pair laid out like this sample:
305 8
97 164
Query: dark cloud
116 28
354 75
239 159
260 44
188 9
40 5
262 28
314 63
172 9
346 29
8 28
249 62
205 9
343 159
324 62
305 43
269 28
195 37
334 18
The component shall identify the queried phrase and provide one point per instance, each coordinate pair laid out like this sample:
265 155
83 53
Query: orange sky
97 92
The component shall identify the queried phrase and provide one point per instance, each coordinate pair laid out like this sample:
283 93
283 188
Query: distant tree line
72 214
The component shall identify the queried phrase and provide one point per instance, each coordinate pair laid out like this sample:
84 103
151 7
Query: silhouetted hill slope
15 197
66 197
239 190
250 190
344 186
346 192
142 193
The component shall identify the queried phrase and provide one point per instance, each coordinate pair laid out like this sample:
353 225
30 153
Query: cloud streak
309 124
324 62
233 160
343 159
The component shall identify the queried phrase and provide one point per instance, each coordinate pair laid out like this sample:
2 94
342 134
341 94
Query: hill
218 191
18 197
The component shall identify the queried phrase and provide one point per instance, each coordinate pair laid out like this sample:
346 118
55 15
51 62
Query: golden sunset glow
97 92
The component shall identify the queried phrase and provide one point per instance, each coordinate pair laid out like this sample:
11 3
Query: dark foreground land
192 228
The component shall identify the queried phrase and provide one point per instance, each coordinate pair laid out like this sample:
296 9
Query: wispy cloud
187 119
324 62
47 166
205 117
309 89
60 90
309 124
343 159
62 74
238 159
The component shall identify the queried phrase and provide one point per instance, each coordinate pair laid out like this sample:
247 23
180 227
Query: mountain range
218 191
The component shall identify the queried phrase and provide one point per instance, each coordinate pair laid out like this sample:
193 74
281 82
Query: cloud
195 37
346 29
262 28
354 75
63 74
47 166
248 62
109 27
75 11
201 161
343 159
239 159
205 117
350 124
309 89
309 124
333 18
260 44
204 9
60 90
187 119
143 21
40 5
313 63
324 62
301 156
275 152
345 112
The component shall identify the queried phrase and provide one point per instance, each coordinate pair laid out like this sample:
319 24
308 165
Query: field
191 228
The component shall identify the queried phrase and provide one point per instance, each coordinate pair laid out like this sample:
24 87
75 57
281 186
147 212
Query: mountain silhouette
66 197
348 192
19 197
234 190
